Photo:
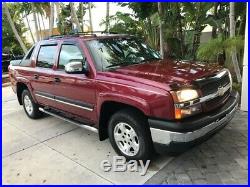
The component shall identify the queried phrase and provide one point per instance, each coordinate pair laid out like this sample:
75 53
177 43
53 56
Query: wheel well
108 108
20 88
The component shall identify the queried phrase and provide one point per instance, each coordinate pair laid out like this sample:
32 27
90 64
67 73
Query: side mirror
75 66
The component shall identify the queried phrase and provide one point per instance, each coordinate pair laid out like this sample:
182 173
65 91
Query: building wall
244 95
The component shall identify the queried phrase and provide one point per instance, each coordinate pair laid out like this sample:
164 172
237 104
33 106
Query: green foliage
210 51
9 41
64 24
237 87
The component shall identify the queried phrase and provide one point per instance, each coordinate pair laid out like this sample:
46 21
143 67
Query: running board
93 129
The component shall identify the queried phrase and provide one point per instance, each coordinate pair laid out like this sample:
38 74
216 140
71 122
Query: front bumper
190 130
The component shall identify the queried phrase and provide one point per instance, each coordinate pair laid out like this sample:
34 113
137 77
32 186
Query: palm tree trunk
28 23
160 29
74 17
81 8
232 34
39 26
14 28
90 17
179 18
214 29
51 19
44 29
35 20
107 17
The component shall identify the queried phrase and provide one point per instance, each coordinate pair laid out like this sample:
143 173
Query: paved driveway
52 151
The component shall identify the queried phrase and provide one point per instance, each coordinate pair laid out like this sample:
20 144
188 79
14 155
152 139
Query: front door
74 93
42 81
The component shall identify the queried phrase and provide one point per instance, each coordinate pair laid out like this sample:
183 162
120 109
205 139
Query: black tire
36 113
139 124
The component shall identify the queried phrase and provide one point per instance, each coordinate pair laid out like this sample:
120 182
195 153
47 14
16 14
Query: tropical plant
13 27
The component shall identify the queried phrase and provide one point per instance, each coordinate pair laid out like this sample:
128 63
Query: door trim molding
66 101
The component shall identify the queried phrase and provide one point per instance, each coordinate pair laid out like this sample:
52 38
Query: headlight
186 95
181 97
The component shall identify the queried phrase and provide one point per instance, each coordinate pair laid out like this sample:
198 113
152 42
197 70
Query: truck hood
169 71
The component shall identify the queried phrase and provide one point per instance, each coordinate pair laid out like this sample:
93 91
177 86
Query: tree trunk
35 20
28 23
180 28
232 34
107 17
81 8
214 29
51 19
44 29
90 17
160 29
14 28
74 17
39 26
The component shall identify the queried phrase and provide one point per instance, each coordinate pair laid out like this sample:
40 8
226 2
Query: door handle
36 76
56 79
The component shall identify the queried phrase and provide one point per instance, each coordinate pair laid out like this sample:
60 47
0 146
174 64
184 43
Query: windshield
116 52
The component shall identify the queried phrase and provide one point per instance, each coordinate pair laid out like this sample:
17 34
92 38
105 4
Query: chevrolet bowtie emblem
220 91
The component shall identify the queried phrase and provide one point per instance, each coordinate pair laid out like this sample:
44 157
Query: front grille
211 85
216 102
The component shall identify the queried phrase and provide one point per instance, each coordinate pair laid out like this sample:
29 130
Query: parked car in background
6 58
118 86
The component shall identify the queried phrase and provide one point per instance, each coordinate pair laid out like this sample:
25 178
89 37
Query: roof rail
78 34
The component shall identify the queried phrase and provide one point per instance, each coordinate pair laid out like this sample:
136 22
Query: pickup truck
119 87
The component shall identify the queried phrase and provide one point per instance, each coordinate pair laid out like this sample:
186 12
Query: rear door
42 81
74 93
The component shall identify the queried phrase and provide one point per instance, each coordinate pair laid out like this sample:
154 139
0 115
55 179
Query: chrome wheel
126 139
28 104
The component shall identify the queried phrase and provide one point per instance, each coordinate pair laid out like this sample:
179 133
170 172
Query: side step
93 129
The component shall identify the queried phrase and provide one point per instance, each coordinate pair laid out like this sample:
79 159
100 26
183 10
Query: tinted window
68 53
46 56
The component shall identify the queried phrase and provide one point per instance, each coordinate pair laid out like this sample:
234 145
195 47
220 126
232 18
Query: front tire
130 136
30 107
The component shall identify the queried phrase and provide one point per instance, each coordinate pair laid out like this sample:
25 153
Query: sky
98 14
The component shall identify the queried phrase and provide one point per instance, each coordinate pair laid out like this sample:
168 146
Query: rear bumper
190 130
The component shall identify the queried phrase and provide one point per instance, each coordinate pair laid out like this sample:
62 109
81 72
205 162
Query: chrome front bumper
166 137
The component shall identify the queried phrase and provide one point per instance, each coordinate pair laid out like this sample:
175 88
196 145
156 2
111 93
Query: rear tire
30 107
130 136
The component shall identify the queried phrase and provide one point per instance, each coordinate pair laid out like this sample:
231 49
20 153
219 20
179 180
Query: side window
46 56
69 52
26 60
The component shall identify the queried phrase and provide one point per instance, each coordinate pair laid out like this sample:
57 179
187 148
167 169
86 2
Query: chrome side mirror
75 66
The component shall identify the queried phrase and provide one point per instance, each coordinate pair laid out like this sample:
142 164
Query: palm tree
74 18
232 34
35 20
107 17
51 19
14 28
28 23
90 17
160 29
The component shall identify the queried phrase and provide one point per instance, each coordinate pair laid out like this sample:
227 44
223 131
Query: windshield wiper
150 59
115 65
122 64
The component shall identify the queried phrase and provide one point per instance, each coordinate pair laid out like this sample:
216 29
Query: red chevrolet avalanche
118 86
